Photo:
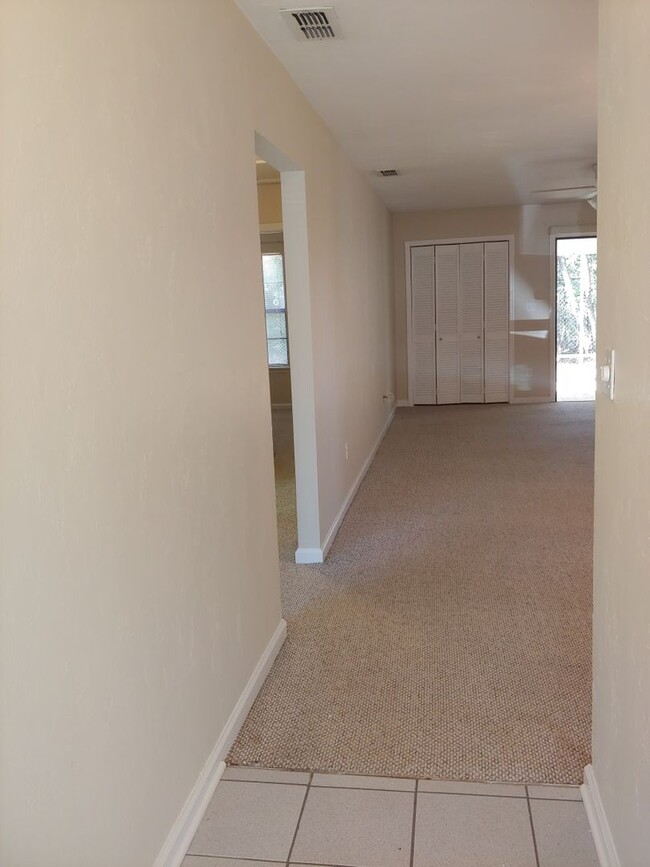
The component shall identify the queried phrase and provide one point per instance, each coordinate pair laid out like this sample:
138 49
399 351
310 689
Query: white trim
299 300
554 233
309 555
485 239
338 520
511 314
318 555
410 387
573 231
600 830
404 403
180 836
280 406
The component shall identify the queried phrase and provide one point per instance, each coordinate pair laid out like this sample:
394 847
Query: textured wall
621 725
530 226
139 552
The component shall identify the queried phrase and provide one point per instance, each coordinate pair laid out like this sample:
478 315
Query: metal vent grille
388 173
309 24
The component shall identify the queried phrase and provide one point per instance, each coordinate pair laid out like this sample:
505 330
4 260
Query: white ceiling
476 102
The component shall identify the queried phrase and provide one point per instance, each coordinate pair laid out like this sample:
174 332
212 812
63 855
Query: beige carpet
449 633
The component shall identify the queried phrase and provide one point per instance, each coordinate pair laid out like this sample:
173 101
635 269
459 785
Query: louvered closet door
496 322
471 323
447 322
423 325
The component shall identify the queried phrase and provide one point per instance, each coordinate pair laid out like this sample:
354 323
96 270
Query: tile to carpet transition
266 775
349 781
210 861
501 790
555 793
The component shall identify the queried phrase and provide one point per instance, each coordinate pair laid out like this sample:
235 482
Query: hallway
448 634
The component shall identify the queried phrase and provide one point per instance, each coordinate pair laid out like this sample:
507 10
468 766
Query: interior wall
530 225
137 511
621 721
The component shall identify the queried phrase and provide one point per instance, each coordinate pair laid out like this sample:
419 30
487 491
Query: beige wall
139 550
280 382
621 722
530 226
269 201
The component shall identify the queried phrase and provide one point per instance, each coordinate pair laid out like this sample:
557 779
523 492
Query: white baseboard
532 400
184 828
403 403
309 555
338 520
600 830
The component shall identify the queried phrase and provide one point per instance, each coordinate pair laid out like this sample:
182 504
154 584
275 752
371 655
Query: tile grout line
415 810
234 858
474 795
265 782
302 810
409 791
532 827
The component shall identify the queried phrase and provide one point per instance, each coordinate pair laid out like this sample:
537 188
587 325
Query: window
276 309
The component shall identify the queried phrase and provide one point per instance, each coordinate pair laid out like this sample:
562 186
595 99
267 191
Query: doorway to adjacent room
575 319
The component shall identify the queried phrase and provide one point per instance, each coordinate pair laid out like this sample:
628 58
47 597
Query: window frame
272 245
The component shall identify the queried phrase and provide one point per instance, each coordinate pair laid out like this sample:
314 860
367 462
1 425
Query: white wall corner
600 830
338 520
179 838
403 403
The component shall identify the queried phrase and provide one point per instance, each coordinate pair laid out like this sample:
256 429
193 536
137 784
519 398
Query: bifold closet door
471 323
423 325
447 273
496 266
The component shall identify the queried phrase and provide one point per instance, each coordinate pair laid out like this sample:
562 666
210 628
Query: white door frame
557 233
410 366
303 400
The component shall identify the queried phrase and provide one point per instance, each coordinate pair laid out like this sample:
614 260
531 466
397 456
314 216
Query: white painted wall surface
530 224
621 725
139 569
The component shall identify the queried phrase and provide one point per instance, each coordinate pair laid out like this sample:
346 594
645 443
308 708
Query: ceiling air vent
318 23
388 173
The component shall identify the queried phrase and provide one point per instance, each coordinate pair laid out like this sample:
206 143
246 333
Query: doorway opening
269 197
575 320
285 293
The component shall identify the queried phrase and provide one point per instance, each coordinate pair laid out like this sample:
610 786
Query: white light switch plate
606 373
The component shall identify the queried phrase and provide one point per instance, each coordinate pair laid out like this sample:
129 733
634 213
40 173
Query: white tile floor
259 817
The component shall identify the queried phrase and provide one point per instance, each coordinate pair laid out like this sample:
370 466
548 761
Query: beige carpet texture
448 635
